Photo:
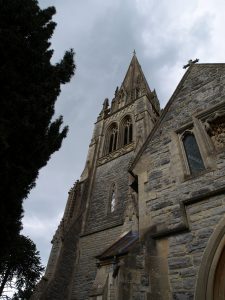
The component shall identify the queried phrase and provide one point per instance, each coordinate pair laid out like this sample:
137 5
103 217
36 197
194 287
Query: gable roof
120 247
166 109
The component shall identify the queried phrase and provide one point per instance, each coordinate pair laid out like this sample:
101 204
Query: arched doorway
219 278
211 275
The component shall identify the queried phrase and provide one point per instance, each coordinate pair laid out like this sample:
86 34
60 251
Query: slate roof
120 247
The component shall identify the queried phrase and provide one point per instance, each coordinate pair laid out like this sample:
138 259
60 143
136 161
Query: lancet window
113 200
193 154
127 131
111 139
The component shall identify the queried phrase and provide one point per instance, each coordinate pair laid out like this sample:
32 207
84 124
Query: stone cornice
127 105
119 152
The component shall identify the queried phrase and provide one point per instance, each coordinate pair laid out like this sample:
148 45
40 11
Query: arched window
111 138
193 154
127 131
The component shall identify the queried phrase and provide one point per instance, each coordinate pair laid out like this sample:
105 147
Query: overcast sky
104 33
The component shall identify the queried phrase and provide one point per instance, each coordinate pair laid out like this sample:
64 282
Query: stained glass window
194 158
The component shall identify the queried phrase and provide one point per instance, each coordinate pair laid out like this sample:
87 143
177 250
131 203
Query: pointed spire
133 87
135 78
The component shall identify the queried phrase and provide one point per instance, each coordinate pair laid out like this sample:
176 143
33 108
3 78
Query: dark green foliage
21 268
29 85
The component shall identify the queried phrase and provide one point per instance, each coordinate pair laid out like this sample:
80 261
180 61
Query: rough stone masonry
146 220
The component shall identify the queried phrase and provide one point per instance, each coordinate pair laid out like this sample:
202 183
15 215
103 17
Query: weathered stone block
179 262
183 296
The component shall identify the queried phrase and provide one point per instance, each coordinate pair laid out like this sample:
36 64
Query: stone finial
105 104
116 91
105 109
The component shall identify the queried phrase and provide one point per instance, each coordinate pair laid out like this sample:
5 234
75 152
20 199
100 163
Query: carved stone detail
215 126
116 154
119 114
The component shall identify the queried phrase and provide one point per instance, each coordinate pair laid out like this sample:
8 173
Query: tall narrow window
113 200
193 154
125 135
130 132
111 143
113 139
127 131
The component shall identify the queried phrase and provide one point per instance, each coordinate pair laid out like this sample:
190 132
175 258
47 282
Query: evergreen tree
21 268
30 85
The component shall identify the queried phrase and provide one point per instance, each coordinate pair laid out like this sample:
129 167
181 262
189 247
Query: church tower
102 206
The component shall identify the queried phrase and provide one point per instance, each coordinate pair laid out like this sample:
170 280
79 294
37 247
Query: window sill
194 176
113 155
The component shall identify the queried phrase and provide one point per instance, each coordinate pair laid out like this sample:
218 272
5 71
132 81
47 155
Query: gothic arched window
193 154
111 139
127 128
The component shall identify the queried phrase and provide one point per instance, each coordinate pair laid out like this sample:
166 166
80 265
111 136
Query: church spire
133 87
135 78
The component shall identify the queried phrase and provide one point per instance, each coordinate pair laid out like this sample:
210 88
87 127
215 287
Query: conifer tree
21 268
30 85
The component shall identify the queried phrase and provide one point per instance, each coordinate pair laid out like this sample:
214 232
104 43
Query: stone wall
174 204
85 267
186 250
99 215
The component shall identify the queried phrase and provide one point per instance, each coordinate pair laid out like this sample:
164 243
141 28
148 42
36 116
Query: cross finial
134 52
190 62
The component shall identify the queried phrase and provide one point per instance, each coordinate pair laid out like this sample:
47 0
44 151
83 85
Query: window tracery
111 139
127 131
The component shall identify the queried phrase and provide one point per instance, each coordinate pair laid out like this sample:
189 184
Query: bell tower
102 205
120 130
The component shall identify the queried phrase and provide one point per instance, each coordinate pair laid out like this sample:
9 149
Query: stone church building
146 220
